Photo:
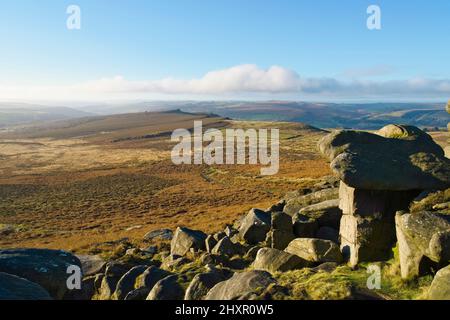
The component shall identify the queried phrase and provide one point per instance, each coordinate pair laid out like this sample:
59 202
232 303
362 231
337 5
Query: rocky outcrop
273 260
255 226
167 289
186 239
16 288
239 285
315 250
440 287
226 247
423 237
47 268
127 281
202 283
281 232
91 265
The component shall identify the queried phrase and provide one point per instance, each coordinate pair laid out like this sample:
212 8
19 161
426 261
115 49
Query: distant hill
12 114
323 115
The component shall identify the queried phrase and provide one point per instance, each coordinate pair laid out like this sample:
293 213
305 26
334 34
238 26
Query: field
77 184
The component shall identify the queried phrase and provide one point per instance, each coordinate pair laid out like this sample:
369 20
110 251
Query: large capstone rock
127 282
167 289
440 287
423 237
240 284
15 288
315 250
254 227
273 260
202 283
48 268
295 201
186 239
397 158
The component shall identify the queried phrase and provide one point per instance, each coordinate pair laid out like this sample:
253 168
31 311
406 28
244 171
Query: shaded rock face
423 237
400 158
226 247
326 213
367 227
273 260
91 264
126 283
202 283
239 285
47 268
167 289
315 250
16 288
281 232
440 287
255 226
186 239
114 271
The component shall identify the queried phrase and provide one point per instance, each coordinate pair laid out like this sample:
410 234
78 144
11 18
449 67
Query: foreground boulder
273 260
167 289
16 288
240 284
127 282
48 268
422 237
397 158
186 239
315 250
202 283
255 226
440 287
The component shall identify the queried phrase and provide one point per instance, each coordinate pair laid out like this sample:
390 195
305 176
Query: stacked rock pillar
367 228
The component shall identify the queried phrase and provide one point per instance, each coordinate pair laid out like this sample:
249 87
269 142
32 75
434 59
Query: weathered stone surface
91 264
127 282
273 260
278 207
230 231
327 233
210 242
279 239
138 294
107 288
162 234
420 235
315 250
409 160
295 203
167 289
184 239
15 288
173 261
48 268
254 226
150 277
202 283
240 284
366 238
440 287
226 247
281 221
252 252
326 213
304 227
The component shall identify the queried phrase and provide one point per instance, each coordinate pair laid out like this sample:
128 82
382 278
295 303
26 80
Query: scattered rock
225 247
6 229
161 234
230 231
126 283
240 284
150 277
210 242
202 283
47 268
440 287
273 260
91 264
278 207
315 250
255 226
15 288
167 289
186 239
173 262
279 239
252 252
296 202
422 235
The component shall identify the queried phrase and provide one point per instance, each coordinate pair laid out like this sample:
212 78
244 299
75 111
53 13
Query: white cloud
237 81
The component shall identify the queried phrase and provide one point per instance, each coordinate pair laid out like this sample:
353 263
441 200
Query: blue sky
128 49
